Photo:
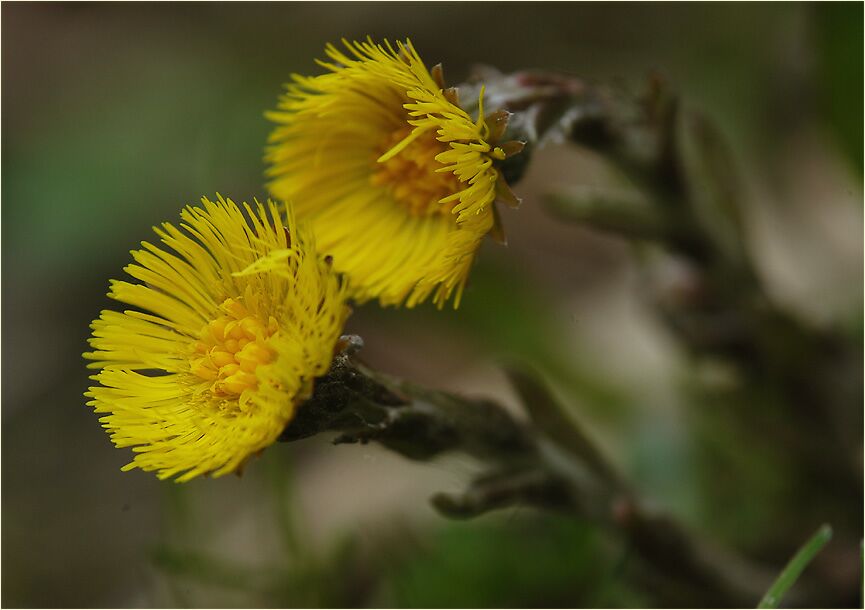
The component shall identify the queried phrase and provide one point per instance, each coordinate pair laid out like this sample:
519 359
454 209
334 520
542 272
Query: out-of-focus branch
547 463
682 191
620 211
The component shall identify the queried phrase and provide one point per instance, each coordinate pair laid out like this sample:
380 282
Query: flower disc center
231 347
410 175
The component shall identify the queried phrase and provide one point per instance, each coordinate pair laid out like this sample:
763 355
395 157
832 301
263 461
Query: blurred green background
116 115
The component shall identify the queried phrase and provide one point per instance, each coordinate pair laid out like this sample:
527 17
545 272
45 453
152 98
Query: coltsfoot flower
234 319
397 179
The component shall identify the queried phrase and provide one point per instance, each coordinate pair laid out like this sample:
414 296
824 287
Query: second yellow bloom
396 178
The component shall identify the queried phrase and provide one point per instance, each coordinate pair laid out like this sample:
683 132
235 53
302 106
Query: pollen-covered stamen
231 347
410 175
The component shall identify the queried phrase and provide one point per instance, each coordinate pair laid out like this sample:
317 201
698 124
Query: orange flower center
410 176
230 349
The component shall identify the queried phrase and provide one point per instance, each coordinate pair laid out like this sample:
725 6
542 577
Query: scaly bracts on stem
547 463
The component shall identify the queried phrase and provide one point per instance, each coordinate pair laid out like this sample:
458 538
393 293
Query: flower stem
547 463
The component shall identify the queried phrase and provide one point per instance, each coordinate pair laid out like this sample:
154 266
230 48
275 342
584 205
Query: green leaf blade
791 572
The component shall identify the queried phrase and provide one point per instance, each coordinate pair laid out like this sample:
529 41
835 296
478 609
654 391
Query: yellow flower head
397 179
235 317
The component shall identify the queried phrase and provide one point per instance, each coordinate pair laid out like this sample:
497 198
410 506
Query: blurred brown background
116 115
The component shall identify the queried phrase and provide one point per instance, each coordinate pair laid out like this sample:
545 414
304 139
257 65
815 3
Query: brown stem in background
684 193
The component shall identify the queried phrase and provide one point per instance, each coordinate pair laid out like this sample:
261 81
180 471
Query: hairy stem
547 463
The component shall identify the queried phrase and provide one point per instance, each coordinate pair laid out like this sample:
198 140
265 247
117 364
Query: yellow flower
234 319
397 179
